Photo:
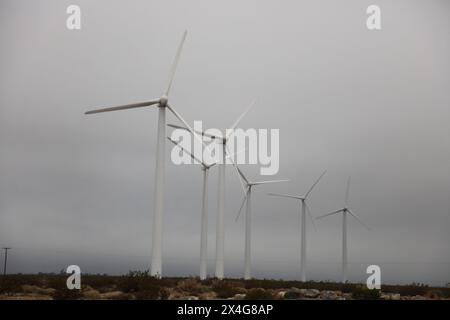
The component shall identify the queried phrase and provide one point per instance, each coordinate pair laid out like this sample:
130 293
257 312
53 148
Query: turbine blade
285 196
310 216
175 63
242 205
189 153
241 176
269 181
124 107
358 219
317 181
228 156
202 133
329 214
347 192
231 155
235 124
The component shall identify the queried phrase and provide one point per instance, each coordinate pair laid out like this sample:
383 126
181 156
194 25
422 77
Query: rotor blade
231 155
227 157
329 214
358 219
124 107
202 133
241 176
231 130
237 168
269 181
285 196
184 150
242 205
347 192
310 216
188 127
317 181
175 63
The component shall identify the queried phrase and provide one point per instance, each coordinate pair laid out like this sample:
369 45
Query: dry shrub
364 293
224 288
144 286
192 286
66 294
259 294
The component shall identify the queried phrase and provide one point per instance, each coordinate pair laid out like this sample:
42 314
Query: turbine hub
163 101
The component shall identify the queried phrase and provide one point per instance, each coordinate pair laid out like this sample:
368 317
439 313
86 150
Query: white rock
329 295
311 293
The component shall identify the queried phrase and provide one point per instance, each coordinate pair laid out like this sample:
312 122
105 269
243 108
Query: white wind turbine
305 208
247 185
220 227
162 103
204 223
345 210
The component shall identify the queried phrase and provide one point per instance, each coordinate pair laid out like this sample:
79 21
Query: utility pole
6 259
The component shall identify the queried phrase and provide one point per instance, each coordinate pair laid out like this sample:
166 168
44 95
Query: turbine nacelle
163 101
346 209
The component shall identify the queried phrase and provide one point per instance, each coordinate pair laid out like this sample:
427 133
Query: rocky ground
88 293
140 286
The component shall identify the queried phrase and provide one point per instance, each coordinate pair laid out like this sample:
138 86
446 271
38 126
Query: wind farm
246 184
220 227
200 152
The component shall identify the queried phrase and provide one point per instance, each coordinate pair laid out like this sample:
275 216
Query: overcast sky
371 104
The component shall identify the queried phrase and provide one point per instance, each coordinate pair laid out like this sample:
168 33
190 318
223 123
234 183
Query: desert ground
140 286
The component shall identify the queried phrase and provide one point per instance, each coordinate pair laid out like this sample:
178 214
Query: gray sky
371 104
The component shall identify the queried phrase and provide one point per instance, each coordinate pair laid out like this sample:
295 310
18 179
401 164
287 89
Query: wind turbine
345 210
305 208
220 227
247 185
162 103
204 220
204 223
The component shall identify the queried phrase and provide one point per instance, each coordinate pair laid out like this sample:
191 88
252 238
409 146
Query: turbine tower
220 226
247 186
162 103
304 208
204 222
345 210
